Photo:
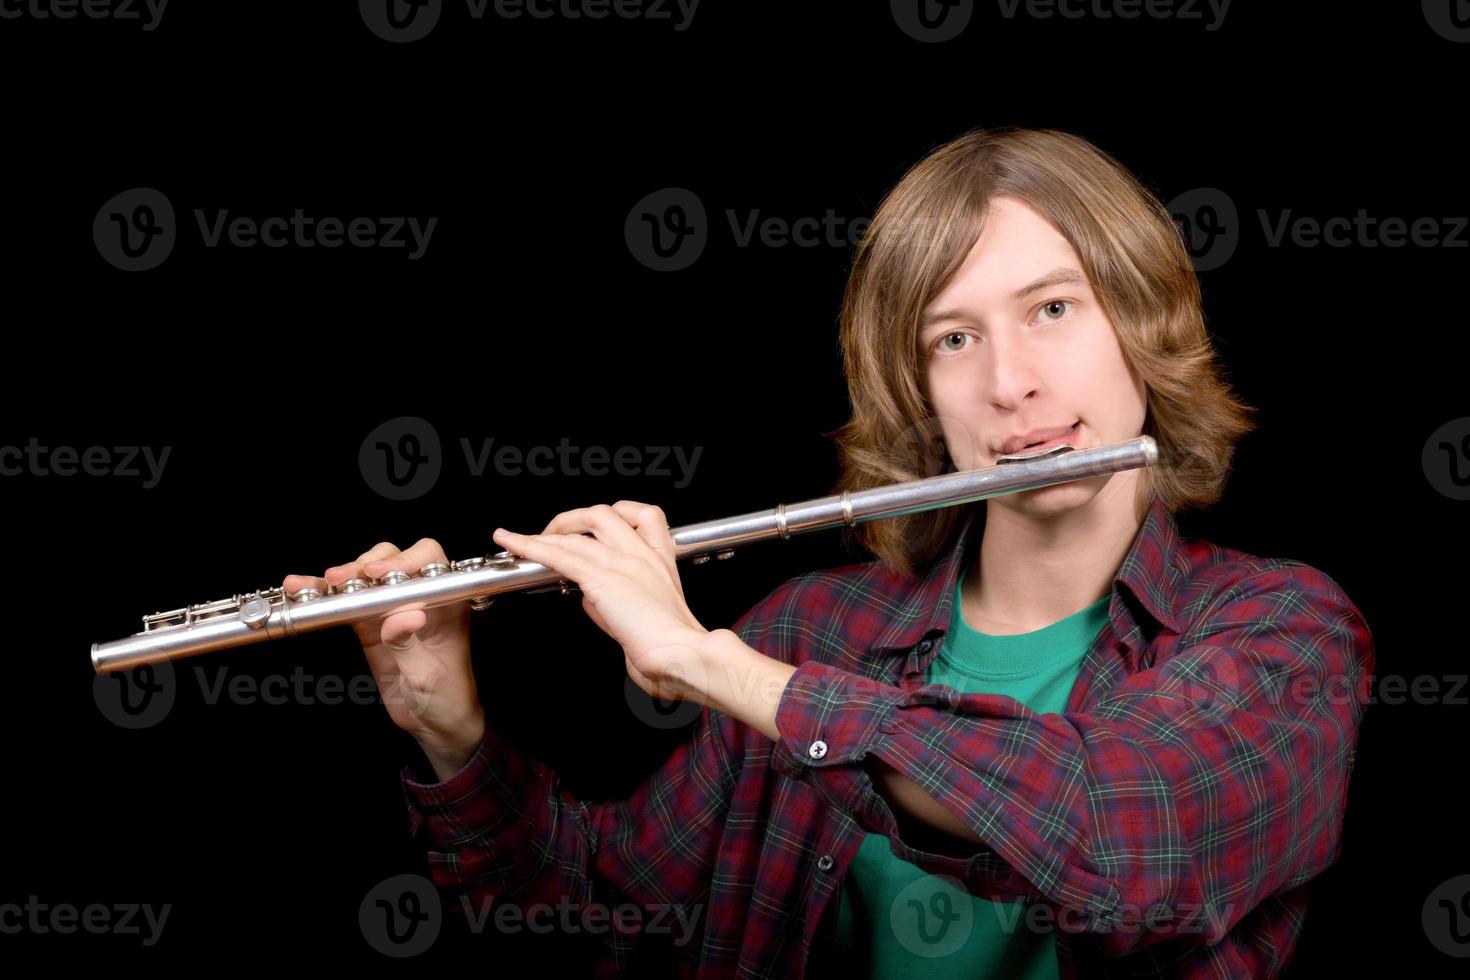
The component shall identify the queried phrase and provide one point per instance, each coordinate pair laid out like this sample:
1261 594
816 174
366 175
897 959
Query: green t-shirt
906 922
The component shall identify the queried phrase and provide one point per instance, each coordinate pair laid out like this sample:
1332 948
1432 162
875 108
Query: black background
528 320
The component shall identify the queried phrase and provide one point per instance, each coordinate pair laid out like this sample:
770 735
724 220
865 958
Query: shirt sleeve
1190 792
504 828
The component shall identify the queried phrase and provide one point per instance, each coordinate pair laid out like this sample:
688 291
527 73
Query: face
1016 345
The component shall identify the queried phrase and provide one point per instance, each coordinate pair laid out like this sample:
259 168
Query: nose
1013 372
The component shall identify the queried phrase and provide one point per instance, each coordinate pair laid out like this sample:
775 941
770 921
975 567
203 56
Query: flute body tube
270 614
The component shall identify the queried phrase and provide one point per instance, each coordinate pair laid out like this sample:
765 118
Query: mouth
1038 448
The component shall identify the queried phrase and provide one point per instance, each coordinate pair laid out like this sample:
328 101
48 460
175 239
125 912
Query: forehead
1016 244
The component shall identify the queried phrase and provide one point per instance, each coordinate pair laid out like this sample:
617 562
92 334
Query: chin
1059 498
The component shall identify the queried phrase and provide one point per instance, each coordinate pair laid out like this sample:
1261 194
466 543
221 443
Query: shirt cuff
475 801
829 721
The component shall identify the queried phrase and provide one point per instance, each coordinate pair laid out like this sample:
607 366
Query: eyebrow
1062 276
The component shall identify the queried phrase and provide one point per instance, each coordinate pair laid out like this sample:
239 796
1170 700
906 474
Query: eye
940 344
1057 302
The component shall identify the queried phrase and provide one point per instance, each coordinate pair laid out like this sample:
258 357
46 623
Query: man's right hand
420 658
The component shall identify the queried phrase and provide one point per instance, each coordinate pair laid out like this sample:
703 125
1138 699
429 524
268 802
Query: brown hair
1135 258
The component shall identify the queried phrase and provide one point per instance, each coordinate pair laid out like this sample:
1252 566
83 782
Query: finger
399 630
572 521
593 551
560 522
292 584
649 522
422 552
338 574
396 631
603 522
367 631
561 553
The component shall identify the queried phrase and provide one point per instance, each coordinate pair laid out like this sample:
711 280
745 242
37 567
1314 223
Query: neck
1031 572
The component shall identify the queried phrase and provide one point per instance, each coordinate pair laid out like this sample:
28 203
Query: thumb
400 631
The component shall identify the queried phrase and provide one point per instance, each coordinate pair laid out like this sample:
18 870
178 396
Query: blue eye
1057 302
941 340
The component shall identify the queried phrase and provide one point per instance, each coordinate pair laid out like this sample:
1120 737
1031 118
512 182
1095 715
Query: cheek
945 379
1101 342
1097 363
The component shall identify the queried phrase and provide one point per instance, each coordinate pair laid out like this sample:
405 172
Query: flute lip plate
1053 451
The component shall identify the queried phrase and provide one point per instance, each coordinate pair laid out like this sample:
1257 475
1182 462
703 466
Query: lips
1038 439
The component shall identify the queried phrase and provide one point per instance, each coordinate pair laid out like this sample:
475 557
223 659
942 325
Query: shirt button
818 749
825 862
924 647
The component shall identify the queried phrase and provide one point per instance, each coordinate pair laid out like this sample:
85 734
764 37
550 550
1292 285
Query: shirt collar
1148 580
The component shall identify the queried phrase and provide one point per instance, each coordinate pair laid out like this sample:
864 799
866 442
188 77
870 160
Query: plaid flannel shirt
1166 824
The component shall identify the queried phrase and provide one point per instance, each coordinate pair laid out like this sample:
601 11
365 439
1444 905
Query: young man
1039 736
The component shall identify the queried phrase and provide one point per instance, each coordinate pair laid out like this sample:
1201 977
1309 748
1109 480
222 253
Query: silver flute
270 614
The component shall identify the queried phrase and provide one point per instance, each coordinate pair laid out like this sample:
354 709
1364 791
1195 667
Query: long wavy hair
1136 261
